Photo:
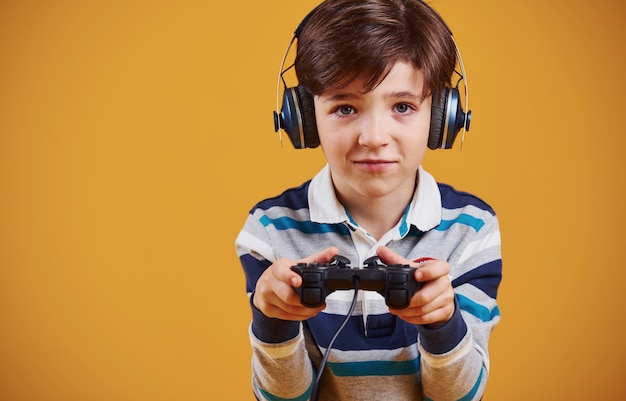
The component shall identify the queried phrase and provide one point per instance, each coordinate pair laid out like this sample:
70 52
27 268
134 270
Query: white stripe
339 302
440 361
473 248
245 242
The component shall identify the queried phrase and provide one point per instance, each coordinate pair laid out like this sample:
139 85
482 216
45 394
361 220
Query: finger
289 302
281 271
286 299
390 257
436 310
434 292
431 296
281 310
323 256
440 315
297 314
436 298
280 300
432 270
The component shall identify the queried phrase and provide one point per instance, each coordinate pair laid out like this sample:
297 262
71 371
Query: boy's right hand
274 294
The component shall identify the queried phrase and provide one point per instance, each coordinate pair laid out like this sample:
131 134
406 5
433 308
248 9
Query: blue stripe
271 397
472 392
453 199
414 232
324 325
375 368
292 198
463 218
253 268
480 311
486 278
404 227
307 226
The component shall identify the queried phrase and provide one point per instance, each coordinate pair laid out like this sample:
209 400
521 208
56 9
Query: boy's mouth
374 164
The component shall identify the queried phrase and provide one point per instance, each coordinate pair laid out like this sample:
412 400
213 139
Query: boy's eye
402 108
345 110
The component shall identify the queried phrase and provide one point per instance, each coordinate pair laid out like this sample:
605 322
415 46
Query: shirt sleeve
281 368
458 351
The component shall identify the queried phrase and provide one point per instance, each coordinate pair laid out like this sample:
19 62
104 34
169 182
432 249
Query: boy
372 70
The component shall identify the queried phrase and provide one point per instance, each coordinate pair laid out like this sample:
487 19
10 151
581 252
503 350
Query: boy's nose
374 132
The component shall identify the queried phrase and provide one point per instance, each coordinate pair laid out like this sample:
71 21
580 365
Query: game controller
394 282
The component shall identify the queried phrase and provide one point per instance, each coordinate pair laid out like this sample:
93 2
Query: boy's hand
275 295
433 303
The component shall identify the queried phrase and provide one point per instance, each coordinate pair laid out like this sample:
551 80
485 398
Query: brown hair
346 39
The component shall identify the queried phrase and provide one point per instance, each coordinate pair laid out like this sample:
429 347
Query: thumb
389 257
323 256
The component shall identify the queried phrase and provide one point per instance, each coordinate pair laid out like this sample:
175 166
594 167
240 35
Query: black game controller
394 282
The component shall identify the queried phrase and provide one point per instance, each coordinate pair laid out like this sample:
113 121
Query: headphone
297 114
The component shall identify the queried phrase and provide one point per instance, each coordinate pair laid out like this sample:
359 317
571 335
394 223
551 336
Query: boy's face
374 142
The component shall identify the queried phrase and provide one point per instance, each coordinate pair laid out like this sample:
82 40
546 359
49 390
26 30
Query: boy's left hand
433 304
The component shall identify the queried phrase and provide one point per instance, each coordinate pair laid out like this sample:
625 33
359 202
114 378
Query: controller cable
320 370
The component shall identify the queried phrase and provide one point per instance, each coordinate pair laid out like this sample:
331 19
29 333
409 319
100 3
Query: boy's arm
457 352
280 364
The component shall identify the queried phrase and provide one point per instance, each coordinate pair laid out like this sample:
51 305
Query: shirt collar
424 212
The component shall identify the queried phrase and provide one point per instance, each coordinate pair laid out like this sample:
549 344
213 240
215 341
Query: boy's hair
346 39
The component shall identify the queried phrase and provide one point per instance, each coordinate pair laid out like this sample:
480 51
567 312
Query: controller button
311 277
398 297
396 278
311 296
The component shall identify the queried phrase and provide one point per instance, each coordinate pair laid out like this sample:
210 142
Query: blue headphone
297 114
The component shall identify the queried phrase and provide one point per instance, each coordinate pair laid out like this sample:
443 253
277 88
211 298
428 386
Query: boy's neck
376 215
377 219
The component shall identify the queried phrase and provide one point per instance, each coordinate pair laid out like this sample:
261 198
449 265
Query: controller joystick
372 261
341 261
394 282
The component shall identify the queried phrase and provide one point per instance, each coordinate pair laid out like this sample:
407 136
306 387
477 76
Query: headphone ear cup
309 125
297 118
437 119
446 119
289 118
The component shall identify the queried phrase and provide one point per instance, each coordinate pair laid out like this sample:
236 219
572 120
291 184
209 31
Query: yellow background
136 135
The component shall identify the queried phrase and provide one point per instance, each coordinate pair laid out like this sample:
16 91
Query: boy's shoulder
451 198
291 198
